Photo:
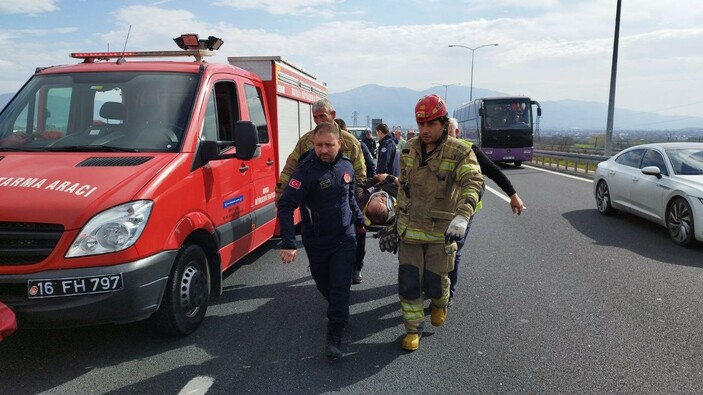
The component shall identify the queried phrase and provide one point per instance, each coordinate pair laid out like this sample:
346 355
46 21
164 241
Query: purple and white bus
501 126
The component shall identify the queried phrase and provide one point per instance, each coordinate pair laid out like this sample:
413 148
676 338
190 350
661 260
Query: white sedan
661 182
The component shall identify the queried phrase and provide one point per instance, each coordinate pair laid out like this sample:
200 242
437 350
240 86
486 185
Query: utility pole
608 149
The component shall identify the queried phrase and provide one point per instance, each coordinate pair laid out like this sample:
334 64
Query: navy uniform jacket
388 158
325 194
369 161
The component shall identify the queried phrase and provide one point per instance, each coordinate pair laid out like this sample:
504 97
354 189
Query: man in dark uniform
360 237
370 143
388 159
323 185
376 198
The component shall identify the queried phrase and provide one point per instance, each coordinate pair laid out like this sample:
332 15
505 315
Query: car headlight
112 230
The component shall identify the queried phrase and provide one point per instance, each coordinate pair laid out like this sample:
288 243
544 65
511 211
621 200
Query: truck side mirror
539 111
246 144
246 140
480 111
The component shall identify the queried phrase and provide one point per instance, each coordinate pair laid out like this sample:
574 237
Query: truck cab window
256 111
222 112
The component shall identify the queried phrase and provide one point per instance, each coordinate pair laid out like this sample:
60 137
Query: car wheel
185 300
679 222
603 199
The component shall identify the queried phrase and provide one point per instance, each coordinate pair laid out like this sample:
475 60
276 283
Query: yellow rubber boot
411 341
438 315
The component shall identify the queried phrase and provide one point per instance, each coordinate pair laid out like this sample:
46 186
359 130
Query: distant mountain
4 99
395 106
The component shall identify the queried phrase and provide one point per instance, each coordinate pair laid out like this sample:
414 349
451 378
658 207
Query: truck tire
185 300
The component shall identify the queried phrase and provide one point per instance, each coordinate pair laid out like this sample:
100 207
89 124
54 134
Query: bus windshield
501 126
507 114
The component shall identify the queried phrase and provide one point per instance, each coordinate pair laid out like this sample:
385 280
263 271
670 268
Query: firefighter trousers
423 272
331 268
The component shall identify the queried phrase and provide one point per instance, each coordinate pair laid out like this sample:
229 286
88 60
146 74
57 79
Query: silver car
662 182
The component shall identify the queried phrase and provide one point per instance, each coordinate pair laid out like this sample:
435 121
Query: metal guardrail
581 164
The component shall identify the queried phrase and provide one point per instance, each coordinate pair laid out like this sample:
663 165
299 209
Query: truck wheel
185 300
517 163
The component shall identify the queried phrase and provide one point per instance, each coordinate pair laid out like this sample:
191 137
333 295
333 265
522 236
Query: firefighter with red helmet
440 185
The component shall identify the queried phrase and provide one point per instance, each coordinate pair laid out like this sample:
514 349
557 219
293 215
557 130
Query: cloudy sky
548 49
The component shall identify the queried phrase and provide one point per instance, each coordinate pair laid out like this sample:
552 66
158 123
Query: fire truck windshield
131 111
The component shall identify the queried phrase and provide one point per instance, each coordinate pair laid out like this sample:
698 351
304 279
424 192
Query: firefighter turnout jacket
448 182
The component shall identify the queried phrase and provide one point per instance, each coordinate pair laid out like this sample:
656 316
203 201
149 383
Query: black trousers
360 251
331 268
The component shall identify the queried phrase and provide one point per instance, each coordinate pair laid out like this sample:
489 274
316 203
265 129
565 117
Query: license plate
73 286
508 157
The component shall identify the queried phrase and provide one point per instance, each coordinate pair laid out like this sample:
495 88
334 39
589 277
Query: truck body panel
125 192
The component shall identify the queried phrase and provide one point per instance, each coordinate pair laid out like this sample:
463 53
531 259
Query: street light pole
445 88
471 89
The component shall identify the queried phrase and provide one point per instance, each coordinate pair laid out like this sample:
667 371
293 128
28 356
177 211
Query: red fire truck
128 186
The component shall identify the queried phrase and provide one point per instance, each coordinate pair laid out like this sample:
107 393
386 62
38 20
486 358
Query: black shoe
356 277
449 303
333 349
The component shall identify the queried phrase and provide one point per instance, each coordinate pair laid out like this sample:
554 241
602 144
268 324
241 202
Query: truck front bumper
143 285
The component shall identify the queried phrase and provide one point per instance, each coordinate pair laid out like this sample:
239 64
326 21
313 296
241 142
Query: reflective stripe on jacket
430 196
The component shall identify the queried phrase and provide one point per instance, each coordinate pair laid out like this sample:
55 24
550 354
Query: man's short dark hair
382 127
340 122
327 127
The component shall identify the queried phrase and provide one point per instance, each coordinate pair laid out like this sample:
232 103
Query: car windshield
686 161
116 111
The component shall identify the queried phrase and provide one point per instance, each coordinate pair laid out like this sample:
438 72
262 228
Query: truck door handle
269 162
244 168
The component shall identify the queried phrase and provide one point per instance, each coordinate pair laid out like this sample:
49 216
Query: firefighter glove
388 241
456 229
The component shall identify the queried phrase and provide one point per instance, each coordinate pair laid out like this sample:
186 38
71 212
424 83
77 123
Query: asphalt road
557 300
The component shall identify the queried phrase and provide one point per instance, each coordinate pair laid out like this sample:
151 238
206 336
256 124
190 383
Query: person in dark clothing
323 186
376 198
492 171
368 158
370 143
360 237
388 158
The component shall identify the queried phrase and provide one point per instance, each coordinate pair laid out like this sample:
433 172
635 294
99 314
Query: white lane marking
500 194
197 386
559 174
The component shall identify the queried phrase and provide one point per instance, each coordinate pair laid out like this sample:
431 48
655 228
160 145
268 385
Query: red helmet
430 107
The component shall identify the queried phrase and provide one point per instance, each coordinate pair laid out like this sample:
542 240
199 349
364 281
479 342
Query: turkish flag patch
347 177
294 183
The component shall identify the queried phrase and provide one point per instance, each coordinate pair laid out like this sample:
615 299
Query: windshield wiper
21 149
90 148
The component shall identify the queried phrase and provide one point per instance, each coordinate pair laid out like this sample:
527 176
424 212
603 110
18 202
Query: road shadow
261 339
650 240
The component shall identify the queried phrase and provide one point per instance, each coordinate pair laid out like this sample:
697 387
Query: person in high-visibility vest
440 186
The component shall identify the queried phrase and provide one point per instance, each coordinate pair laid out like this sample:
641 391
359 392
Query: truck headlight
112 230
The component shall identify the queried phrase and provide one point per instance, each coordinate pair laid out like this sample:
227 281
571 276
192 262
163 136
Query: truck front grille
26 243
